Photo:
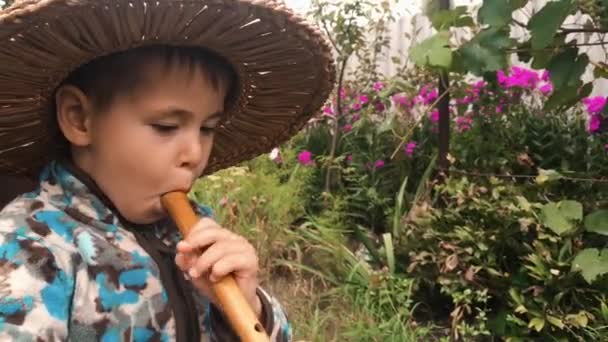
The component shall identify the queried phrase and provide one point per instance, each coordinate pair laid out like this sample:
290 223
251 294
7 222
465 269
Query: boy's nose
192 153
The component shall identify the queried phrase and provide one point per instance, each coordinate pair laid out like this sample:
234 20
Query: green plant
508 263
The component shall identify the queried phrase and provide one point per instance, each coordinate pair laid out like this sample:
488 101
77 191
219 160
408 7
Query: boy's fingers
184 261
203 237
233 263
212 255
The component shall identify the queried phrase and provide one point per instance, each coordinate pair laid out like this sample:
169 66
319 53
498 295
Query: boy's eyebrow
185 114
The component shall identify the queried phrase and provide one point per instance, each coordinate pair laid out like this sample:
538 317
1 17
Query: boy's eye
164 128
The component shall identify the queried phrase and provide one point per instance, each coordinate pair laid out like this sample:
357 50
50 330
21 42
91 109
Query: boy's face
155 140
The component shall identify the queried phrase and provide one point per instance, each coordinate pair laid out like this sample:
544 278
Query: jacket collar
72 190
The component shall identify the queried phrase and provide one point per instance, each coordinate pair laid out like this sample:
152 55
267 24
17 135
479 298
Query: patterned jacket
72 269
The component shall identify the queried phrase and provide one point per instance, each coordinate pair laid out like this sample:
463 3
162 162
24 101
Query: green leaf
591 263
571 210
541 59
496 13
559 217
567 68
537 324
579 320
600 71
390 252
544 23
556 321
604 309
486 52
516 4
434 51
567 97
597 222
444 19
547 176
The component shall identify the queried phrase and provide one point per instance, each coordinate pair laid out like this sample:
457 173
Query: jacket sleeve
274 319
35 292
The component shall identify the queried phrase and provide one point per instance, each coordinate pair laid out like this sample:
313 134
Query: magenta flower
363 99
595 122
595 104
502 78
379 106
305 158
401 100
356 106
480 84
378 86
328 111
410 148
342 93
519 77
499 109
379 164
546 88
349 158
463 123
355 118
432 96
466 100
545 76
435 115
347 128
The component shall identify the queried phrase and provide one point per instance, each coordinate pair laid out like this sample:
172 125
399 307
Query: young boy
115 104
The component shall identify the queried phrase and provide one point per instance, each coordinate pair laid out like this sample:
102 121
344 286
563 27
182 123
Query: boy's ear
74 112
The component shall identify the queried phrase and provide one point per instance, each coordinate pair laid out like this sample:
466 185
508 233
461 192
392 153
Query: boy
115 104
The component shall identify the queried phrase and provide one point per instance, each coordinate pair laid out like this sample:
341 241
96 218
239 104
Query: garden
464 198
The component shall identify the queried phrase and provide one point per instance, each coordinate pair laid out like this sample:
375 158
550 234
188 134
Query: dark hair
104 78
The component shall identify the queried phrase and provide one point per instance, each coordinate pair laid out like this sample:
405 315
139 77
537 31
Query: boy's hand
224 252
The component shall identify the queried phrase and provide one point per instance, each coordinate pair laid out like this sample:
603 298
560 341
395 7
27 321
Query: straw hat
285 66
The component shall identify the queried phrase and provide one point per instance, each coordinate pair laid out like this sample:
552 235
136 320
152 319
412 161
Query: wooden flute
232 301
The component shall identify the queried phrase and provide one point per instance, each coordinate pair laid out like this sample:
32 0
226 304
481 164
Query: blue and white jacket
72 269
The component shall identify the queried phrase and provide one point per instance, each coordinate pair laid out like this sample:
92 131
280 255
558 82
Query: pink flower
410 147
595 104
546 88
545 76
465 100
349 158
520 77
379 106
479 85
328 111
498 109
342 93
378 86
305 158
401 100
355 118
379 164
356 106
463 123
606 147
595 121
347 128
363 99
435 115
432 96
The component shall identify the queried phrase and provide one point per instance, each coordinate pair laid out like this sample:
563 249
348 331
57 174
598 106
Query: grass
329 293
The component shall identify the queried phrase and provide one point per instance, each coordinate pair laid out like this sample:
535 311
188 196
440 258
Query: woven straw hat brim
285 66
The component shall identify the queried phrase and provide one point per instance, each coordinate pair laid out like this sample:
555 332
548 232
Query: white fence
413 26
